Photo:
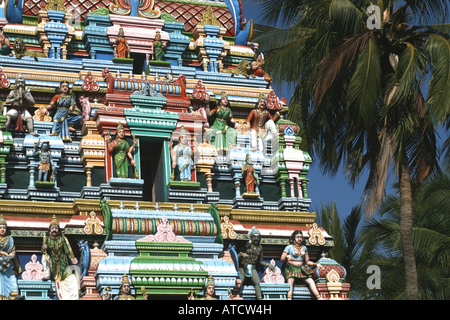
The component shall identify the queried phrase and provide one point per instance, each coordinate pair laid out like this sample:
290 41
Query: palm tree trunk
406 233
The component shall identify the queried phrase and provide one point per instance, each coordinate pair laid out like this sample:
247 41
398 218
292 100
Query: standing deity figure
158 47
121 45
45 160
182 157
249 259
121 151
57 254
67 114
261 125
18 102
250 177
9 264
223 129
296 258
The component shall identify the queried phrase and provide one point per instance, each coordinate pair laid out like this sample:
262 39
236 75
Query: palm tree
347 248
361 96
431 236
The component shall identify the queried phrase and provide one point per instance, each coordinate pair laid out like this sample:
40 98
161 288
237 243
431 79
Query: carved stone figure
261 125
45 160
182 156
67 115
250 177
9 264
296 258
158 47
222 131
121 45
58 252
121 151
19 103
249 259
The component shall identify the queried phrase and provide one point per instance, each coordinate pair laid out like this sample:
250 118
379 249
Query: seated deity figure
223 129
67 115
19 103
261 125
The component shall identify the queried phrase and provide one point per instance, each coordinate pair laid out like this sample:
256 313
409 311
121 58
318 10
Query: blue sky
321 188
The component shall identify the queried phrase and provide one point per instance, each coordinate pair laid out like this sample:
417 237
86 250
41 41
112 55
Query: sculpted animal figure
243 68
21 51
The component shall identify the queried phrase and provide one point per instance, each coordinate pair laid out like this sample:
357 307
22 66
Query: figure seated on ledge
46 165
19 101
223 130
67 116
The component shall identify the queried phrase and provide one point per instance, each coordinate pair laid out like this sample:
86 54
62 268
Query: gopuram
144 155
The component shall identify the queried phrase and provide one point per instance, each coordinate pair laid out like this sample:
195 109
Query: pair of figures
295 256
123 48
65 119
56 252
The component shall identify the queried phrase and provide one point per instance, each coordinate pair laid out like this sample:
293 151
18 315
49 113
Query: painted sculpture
182 157
222 131
124 291
9 265
58 256
296 258
19 102
46 165
261 125
121 151
250 176
5 48
158 47
121 45
67 114
250 258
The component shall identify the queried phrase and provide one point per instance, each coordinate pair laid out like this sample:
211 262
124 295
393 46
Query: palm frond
365 84
437 49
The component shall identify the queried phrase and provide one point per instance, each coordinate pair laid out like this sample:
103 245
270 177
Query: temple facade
151 132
